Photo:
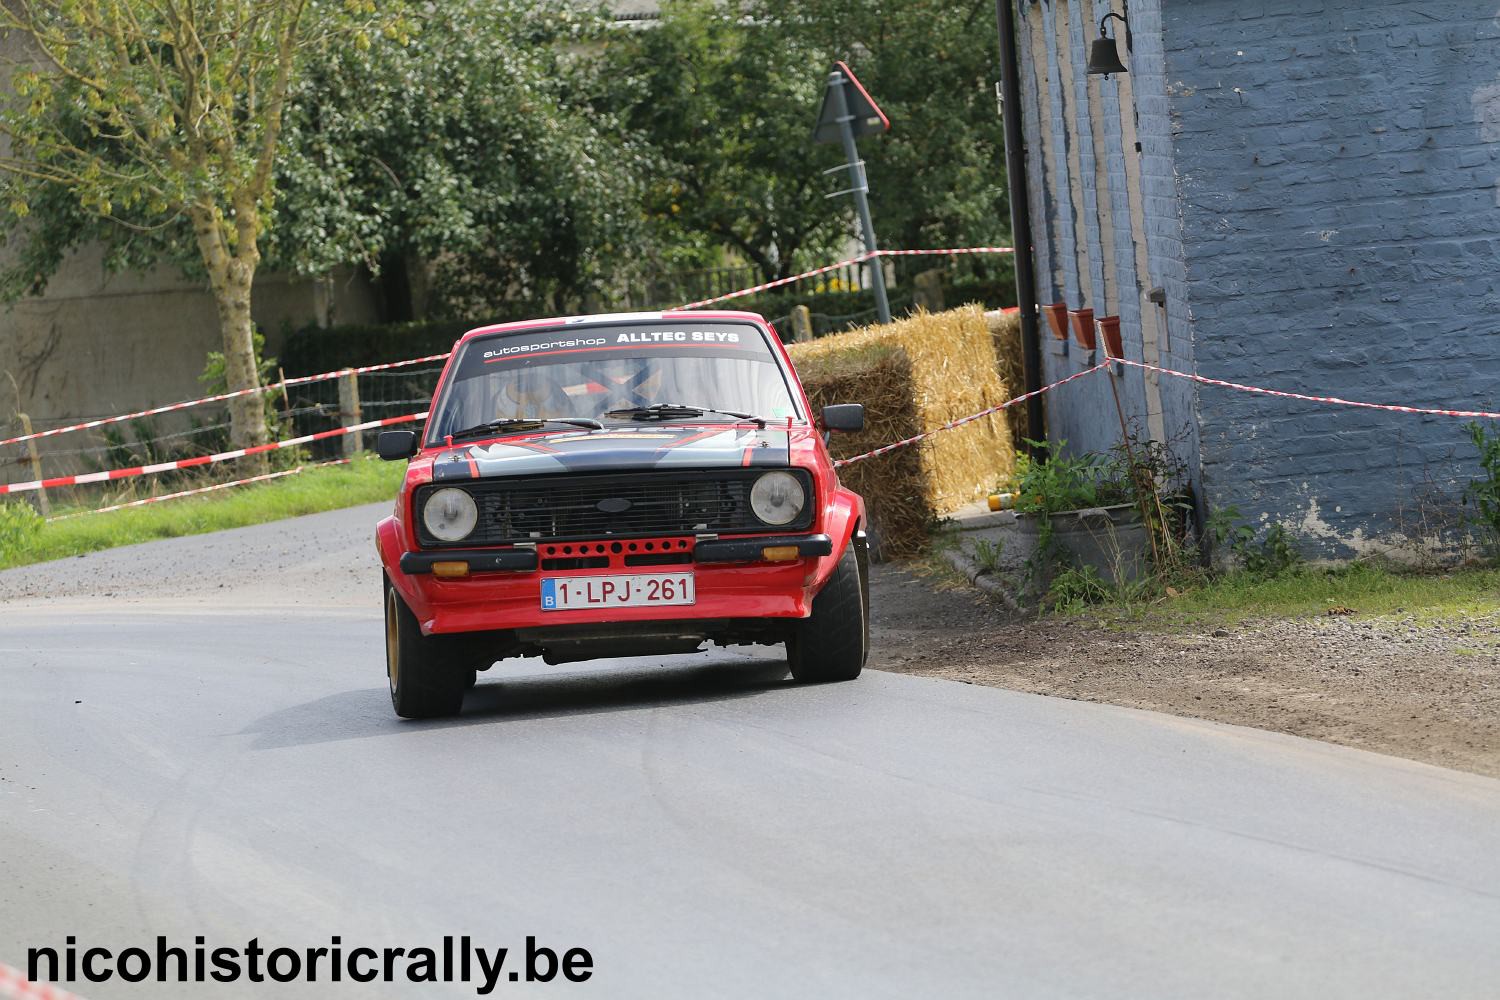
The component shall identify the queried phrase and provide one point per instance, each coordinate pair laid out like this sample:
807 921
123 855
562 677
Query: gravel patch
1428 691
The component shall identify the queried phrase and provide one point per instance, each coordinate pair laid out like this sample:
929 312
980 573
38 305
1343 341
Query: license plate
571 593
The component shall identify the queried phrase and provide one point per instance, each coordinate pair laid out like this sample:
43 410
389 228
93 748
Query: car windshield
589 371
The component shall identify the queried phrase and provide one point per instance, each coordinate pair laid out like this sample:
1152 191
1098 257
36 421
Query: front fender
844 515
389 544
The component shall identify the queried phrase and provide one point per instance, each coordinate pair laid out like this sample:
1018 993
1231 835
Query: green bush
836 311
1054 482
313 349
19 525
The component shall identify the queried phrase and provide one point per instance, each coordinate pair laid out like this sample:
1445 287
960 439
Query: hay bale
1005 330
915 375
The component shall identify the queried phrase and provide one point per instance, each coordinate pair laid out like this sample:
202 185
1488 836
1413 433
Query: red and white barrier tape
187 404
325 376
15 986
939 253
202 489
188 463
774 284
1331 400
969 419
834 267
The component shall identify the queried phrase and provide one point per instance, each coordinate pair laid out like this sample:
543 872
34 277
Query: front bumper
717 550
732 581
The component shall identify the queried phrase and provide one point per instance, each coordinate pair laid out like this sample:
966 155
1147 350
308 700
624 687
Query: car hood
617 449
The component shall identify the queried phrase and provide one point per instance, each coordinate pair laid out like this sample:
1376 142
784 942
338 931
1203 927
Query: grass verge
365 480
1359 589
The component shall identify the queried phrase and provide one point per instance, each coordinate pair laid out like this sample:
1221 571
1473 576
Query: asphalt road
195 739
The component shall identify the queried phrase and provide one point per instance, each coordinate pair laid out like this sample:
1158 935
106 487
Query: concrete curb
979 578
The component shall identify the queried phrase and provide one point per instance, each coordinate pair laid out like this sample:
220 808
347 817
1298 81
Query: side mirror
396 445
844 417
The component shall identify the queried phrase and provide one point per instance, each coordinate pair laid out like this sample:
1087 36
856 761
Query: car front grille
561 507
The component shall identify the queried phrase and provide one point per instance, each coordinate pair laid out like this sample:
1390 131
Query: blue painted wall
1164 240
1321 182
1083 414
1338 164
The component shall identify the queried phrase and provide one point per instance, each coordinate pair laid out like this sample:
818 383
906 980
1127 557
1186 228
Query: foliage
837 310
1484 493
19 526
157 128
313 349
467 168
215 379
726 97
1074 588
1371 590
1263 557
936 178
1054 482
726 102
365 480
987 553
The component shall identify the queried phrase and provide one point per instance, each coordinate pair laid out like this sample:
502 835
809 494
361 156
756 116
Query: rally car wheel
831 644
422 685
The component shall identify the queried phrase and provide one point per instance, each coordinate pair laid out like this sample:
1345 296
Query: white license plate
571 593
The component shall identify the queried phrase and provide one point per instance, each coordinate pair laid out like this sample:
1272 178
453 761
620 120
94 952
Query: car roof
620 317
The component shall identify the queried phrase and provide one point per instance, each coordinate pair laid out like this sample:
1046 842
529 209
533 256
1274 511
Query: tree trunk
230 276
247 414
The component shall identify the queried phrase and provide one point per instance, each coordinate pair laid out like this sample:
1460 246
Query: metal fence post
350 412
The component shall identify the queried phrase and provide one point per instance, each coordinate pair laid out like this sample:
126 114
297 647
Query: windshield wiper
524 424
673 411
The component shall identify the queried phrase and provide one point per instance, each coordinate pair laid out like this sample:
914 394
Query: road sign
848 111
866 118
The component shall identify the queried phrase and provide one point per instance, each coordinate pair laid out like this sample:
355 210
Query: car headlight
777 498
450 514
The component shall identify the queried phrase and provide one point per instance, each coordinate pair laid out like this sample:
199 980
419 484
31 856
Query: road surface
195 739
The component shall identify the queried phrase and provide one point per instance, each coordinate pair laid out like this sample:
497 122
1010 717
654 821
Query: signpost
848 112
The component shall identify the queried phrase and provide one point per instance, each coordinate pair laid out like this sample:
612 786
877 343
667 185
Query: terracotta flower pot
1083 328
1113 345
1057 315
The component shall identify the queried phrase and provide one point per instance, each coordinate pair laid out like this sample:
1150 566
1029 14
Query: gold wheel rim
392 641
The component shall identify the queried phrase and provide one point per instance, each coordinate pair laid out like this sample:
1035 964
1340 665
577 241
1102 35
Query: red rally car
619 485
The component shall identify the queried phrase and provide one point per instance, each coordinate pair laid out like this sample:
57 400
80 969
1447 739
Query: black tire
832 643
423 684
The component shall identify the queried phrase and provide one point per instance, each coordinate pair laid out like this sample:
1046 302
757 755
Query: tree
726 96
727 108
474 157
156 126
938 177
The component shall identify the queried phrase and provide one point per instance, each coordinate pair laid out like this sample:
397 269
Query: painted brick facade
1316 191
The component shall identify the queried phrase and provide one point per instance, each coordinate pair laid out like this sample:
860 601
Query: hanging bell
1104 58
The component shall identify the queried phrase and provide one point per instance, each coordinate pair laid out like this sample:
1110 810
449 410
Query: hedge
314 349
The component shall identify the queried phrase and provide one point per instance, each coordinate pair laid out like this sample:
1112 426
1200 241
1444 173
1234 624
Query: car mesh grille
563 507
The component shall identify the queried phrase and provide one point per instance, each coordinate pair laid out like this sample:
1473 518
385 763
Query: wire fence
311 407
292 412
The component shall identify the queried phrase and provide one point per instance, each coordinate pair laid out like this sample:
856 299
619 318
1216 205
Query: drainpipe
1020 215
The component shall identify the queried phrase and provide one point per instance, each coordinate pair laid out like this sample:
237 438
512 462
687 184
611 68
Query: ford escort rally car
619 485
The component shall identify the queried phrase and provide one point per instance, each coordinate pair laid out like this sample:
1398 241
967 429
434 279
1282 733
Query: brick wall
1317 190
1337 166
1100 221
